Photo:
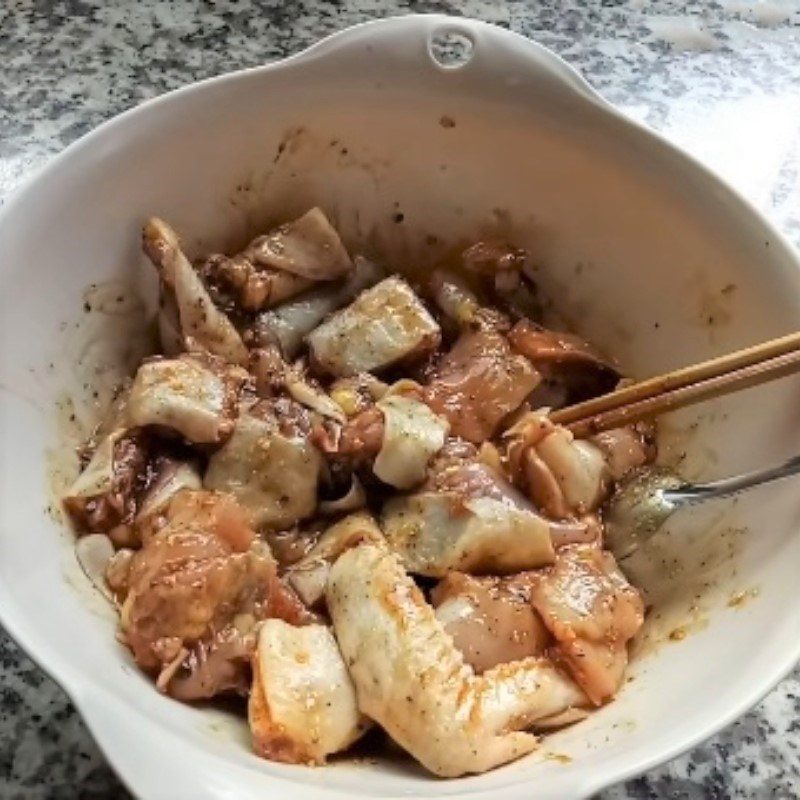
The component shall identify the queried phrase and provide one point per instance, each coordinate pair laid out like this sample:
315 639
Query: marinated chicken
185 396
303 705
287 325
593 612
269 465
567 477
384 325
491 620
105 493
411 679
199 574
477 524
338 492
202 325
571 367
478 383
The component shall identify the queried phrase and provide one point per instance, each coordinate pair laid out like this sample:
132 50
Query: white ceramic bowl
645 251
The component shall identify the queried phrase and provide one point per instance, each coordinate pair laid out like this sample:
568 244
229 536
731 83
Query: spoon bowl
642 504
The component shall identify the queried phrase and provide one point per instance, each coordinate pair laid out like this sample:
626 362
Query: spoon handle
689 494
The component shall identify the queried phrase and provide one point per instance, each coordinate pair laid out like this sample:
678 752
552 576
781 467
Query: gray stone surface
721 79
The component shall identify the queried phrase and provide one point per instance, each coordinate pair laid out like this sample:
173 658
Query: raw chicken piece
490 619
565 360
384 325
269 465
592 611
478 383
105 493
472 521
251 287
309 247
196 575
281 264
411 679
287 325
201 321
309 575
563 476
166 477
412 434
185 395
625 449
302 705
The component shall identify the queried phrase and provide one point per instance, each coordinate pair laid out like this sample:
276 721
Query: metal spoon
642 504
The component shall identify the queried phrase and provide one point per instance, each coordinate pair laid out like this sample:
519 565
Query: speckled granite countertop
721 79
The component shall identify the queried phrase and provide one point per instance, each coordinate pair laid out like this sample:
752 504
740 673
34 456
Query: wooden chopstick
714 378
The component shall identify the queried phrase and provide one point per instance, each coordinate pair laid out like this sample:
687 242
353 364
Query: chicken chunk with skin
201 322
288 324
592 612
281 264
269 465
563 476
396 437
467 518
411 679
194 576
384 325
564 360
490 619
105 494
185 395
308 246
243 285
302 705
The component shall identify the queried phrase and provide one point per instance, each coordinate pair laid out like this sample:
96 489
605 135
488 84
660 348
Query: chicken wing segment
411 679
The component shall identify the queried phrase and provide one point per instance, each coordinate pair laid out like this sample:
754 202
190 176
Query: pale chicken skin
303 705
336 490
412 680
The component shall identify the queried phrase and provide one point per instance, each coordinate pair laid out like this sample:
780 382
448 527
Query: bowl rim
73 683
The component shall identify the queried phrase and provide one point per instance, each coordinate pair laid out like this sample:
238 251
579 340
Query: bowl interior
640 249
